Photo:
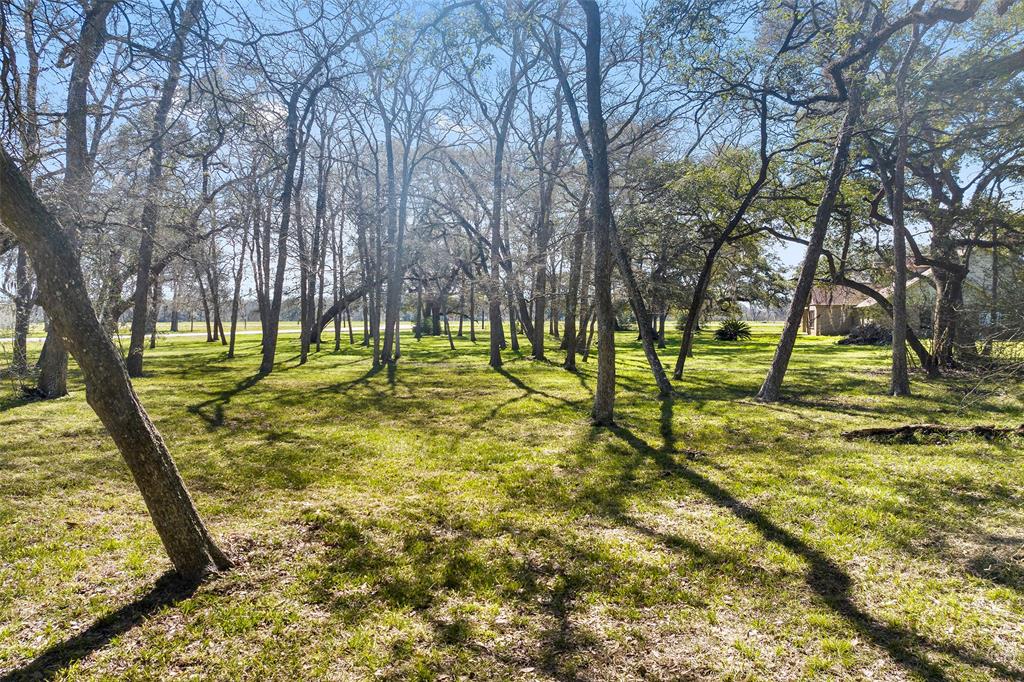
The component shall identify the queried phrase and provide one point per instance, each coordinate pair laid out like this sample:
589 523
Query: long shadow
344 387
18 399
826 578
216 419
168 590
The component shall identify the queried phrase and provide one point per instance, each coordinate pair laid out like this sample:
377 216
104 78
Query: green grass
446 521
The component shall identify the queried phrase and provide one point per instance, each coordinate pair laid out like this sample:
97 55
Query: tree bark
780 362
77 171
472 311
604 393
236 296
22 312
108 388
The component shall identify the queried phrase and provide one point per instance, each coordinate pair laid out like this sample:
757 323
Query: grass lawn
446 521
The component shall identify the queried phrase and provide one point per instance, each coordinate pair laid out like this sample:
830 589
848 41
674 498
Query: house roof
834 295
913 277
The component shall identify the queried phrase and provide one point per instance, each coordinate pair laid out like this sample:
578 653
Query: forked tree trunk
108 389
53 375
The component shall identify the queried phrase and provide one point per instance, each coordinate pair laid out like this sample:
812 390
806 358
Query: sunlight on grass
445 519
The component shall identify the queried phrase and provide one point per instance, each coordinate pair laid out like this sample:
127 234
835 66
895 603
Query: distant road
240 332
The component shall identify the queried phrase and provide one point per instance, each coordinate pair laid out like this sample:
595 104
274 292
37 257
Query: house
831 311
836 310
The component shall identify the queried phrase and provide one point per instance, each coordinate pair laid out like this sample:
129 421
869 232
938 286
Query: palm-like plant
733 330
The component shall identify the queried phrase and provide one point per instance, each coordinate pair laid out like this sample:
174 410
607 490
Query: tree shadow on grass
168 590
825 578
17 399
438 557
212 411
528 392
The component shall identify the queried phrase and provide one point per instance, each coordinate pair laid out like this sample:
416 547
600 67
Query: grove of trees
559 170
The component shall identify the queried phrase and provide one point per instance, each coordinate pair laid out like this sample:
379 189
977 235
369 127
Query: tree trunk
108 389
236 296
773 381
604 393
643 316
900 379
512 323
154 184
206 307
693 312
174 306
273 321
472 311
22 312
572 290
154 312
53 366
418 332
77 172
447 327
462 310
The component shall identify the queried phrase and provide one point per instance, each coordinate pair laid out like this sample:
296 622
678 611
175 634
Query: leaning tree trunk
643 316
206 306
108 389
773 381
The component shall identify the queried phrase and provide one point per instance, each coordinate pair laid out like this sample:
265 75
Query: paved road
240 332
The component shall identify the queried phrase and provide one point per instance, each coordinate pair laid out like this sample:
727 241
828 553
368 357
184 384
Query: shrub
868 334
733 330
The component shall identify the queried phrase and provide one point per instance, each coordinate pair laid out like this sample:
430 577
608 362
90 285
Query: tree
150 211
108 389
604 393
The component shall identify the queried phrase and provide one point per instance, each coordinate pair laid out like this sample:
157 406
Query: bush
868 334
426 326
733 330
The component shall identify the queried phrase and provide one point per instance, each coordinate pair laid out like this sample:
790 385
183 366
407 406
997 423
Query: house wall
828 320
920 303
